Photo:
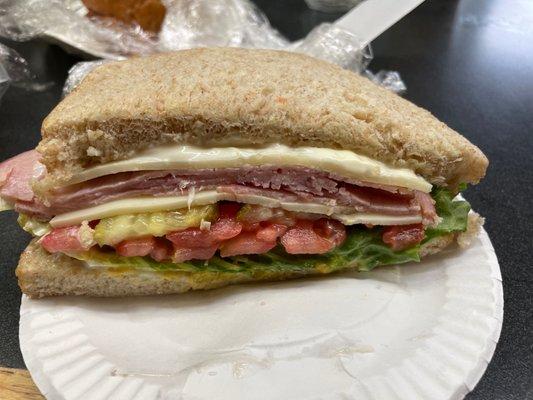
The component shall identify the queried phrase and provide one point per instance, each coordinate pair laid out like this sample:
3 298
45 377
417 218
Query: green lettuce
362 249
454 214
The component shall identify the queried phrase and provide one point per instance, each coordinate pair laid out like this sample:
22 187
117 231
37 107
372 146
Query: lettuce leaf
454 214
362 249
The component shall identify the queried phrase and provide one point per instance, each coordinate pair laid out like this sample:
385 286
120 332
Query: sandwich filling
190 209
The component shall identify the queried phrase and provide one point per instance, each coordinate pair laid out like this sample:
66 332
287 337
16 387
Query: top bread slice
231 96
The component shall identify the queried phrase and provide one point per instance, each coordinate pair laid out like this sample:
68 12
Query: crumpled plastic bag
188 24
336 45
78 72
64 21
14 70
217 23
388 79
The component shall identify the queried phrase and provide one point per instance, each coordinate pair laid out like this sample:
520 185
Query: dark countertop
469 62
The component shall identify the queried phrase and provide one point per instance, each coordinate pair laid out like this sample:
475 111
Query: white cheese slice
341 162
151 204
135 206
376 219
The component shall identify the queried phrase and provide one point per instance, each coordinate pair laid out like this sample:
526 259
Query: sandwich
207 167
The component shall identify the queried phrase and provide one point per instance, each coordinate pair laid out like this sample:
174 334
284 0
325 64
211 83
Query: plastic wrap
78 72
65 21
388 79
188 23
217 23
331 43
14 70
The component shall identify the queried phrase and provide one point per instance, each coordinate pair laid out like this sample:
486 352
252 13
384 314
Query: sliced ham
364 200
403 236
100 190
427 207
16 175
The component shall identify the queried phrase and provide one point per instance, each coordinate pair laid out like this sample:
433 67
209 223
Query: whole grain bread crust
230 96
42 274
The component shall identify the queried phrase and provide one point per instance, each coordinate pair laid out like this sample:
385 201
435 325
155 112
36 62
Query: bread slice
231 96
42 274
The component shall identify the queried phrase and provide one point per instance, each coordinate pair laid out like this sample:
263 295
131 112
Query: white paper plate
418 331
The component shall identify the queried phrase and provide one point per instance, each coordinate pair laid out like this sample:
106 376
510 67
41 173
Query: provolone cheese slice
152 204
344 163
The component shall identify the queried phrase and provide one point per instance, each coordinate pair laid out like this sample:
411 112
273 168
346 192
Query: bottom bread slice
43 274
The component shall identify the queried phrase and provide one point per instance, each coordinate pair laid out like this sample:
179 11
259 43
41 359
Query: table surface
469 62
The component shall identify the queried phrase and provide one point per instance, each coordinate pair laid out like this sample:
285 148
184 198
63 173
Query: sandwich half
208 167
